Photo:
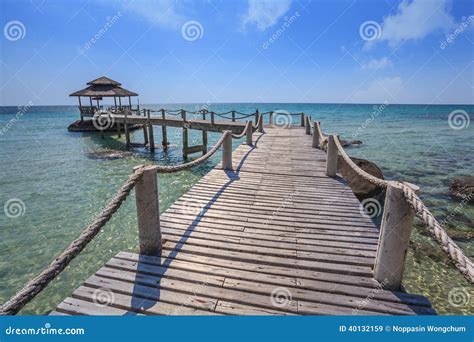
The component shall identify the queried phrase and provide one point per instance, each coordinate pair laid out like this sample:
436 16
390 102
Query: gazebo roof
103 80
104 87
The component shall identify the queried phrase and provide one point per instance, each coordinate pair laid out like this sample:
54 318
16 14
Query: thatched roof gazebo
100 88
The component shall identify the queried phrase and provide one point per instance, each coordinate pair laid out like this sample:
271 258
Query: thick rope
37 284
181 167
244 132
460 260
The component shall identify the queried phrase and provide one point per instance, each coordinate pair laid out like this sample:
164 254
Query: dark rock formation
462 189
361 188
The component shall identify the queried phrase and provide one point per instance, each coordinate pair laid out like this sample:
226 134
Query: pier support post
163 131
145 135
302 119
308 126
270 118
260 123
118 130
331 157
249 134
233 116
185 135
125 127
395 231
227 151
151 138
212 118
148 213
316 136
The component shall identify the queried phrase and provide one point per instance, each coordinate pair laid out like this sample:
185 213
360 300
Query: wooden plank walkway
274 236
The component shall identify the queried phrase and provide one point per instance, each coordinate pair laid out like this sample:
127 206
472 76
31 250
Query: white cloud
415 20
159 12
265 13
377 63
386 89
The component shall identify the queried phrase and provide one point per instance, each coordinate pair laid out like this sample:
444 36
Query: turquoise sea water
50 170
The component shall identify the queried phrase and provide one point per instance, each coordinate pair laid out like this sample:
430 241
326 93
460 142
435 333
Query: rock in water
108 154
462 189
361 188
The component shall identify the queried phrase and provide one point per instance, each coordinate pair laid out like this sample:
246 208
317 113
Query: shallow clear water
49 169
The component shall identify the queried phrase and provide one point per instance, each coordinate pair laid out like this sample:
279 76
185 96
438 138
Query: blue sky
240 51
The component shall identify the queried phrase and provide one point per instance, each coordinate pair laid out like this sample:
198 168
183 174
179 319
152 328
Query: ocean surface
51 187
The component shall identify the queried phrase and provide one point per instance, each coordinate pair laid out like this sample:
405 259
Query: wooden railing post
151 138
331 157
185 135
163 131
127 132
227 151
308 125
233 116
270 118
395 231
260 123
148 213
316 136
302 119
204 136
249 133
212 118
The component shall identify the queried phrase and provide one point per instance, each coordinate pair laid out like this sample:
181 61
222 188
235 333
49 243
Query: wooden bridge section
275 235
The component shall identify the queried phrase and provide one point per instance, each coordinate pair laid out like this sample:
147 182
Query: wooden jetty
272 230
270 233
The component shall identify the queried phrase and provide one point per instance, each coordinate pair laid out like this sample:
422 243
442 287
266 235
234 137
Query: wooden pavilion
101 88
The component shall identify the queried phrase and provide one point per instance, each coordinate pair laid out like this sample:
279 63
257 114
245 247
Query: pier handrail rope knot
456 254
35 285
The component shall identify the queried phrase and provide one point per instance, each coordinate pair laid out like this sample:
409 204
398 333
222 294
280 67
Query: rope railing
244 131
37 284
456 255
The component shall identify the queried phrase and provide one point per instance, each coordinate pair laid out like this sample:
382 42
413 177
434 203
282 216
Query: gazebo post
120 102
80 108
90 101
115 104
130 104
